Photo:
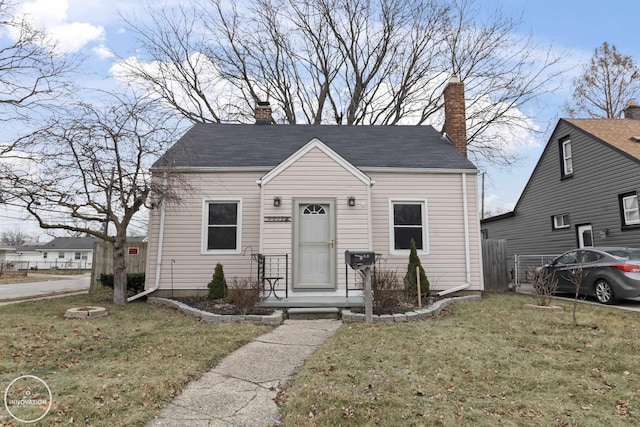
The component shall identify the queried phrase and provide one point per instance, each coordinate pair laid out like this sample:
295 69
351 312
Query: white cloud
50 16
103 52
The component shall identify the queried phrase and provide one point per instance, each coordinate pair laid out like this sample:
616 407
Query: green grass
116 370
483 363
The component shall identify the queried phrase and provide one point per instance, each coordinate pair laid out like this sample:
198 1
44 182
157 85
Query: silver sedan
608 273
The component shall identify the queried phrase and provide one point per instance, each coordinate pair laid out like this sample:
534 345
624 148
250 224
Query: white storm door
585 236
315 248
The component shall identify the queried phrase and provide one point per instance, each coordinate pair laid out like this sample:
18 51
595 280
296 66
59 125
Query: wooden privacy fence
135 256
494 263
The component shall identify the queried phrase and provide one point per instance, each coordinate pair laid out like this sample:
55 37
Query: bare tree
576 279
33 74
351 62
88 171
607 84
14 237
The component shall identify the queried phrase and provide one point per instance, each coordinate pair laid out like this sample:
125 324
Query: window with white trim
222 226
567 157
561 221
61 255
629 209
408 222
77 255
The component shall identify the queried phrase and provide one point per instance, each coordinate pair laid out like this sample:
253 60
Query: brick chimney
632 111
455 122
263 113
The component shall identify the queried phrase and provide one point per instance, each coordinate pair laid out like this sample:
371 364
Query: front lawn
483 363
116 370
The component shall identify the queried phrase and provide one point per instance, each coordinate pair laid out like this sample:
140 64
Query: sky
573 27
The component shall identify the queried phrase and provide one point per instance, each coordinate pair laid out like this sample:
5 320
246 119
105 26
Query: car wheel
604 292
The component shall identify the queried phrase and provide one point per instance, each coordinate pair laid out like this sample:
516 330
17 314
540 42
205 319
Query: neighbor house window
44 255
567 157
485 233
629 210
561 221
222 225
408 219
61 255
77 255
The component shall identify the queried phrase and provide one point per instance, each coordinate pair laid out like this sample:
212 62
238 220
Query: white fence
525 265
82 264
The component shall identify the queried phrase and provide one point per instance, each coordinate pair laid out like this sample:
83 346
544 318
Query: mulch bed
399 306
220 306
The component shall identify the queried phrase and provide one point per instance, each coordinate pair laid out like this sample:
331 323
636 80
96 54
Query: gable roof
210 145
615 132
317 145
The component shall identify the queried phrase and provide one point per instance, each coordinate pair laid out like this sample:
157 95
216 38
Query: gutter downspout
156 285
467 254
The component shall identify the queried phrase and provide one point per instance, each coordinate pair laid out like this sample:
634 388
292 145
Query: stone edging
271 319
432 310
277 316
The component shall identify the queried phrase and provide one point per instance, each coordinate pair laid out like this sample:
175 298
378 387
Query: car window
586 257
568 258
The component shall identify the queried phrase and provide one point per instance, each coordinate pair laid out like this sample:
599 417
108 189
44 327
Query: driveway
54 285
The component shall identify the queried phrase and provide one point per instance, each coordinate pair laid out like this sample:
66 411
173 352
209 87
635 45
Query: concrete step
313 313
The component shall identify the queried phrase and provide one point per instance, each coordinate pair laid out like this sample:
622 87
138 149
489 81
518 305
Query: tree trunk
119 270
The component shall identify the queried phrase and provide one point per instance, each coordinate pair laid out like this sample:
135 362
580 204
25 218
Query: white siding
362 227
193 269
445 264
316 175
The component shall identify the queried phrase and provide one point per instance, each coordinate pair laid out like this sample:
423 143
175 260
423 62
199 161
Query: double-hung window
408 222
567 157
629 210
222 226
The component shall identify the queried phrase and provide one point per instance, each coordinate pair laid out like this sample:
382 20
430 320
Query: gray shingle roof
234 145
64 243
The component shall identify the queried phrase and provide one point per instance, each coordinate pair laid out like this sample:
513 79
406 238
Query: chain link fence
525 266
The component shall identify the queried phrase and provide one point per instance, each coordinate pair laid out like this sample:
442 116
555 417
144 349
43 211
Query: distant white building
69 253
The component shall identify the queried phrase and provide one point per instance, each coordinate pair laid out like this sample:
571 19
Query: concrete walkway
240 390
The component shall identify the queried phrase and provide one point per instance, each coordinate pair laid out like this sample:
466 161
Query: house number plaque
277 219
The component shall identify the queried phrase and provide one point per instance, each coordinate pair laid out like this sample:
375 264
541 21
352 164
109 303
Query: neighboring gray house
583 191
312 192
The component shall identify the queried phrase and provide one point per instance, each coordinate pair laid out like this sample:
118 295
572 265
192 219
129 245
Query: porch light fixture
352 201
276 202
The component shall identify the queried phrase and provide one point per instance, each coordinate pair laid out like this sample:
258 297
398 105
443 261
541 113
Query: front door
314 254
585 236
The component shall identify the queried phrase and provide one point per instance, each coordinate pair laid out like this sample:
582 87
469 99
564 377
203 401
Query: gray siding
590 196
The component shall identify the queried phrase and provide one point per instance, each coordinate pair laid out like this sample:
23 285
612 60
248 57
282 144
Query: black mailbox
359 258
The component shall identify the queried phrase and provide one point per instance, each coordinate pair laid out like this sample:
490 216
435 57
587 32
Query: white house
301 195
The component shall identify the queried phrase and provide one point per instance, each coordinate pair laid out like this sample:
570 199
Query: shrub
386 289
544 284
135 282
218 285
244 294
411 279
